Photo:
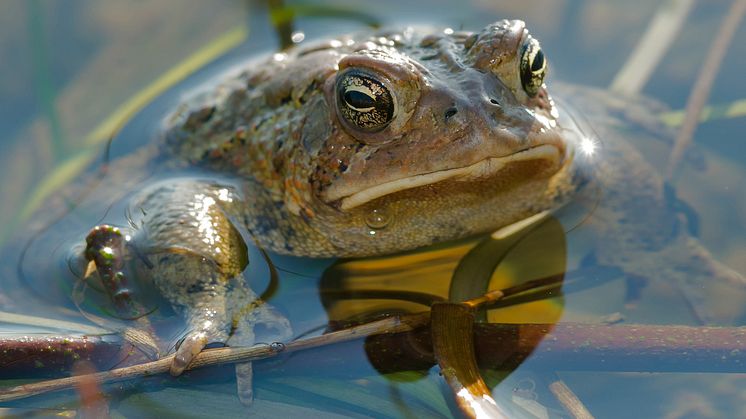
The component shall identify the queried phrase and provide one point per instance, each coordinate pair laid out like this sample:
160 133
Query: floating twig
569 400
220 356
564 346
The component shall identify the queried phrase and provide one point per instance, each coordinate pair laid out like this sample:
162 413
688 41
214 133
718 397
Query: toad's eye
363 101
533 67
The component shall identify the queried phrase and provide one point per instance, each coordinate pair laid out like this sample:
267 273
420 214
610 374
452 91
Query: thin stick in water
701 91
654 43
569 400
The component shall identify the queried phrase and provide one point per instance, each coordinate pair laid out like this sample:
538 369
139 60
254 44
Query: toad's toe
244 383
189 348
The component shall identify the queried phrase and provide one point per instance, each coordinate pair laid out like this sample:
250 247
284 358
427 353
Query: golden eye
533 67
364 101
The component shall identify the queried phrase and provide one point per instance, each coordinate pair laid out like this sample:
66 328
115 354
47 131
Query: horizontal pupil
359 100
538 61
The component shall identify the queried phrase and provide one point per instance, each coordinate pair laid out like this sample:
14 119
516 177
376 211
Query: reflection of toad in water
361 290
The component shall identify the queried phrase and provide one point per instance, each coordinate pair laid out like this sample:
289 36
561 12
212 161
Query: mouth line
482 169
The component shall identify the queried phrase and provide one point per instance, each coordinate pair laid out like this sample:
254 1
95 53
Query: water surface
66 69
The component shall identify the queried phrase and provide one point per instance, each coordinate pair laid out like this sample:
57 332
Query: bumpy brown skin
292 164
276 127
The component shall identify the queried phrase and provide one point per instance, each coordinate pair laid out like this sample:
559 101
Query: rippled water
68 68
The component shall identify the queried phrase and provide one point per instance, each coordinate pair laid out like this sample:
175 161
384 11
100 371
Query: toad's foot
209 326
208 321
257 313
193 343
196 257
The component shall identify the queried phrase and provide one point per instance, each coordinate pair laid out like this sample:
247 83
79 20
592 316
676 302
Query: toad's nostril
450 112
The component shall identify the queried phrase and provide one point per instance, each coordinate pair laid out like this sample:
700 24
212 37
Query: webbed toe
192 344
260 314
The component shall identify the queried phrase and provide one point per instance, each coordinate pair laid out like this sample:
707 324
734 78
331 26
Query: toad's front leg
195 256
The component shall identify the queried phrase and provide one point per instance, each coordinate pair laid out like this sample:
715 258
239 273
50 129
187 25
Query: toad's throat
480 170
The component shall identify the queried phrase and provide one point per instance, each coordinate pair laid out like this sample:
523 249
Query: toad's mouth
486 168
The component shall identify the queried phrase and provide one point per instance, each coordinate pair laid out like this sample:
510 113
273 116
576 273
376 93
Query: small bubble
298 37
377 219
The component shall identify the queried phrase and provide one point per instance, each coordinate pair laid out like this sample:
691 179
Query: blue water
586 43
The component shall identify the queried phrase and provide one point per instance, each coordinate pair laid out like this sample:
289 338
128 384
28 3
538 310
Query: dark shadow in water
356 291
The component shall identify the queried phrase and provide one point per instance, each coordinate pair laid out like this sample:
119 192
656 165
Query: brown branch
51 356
220 356
408 346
